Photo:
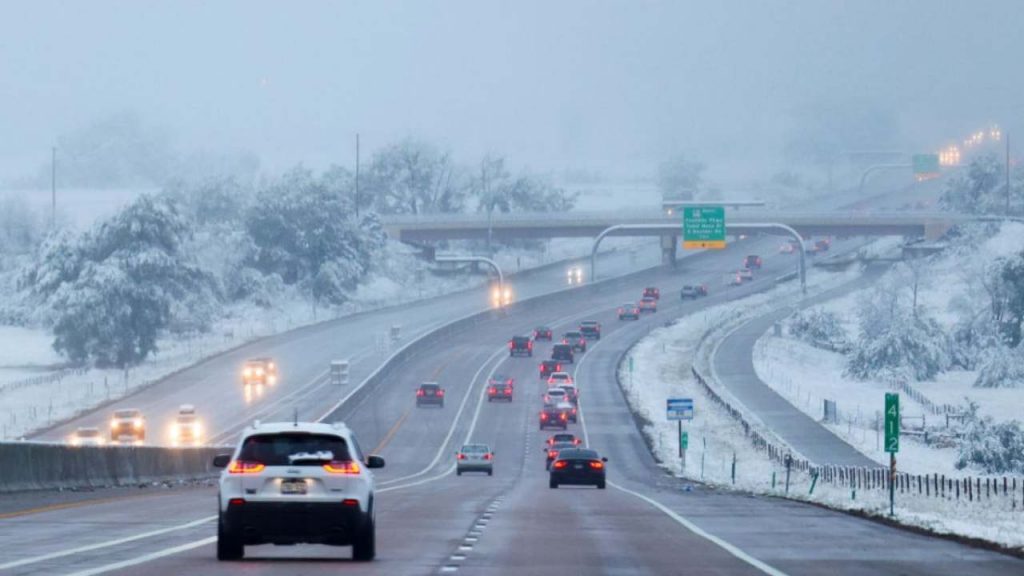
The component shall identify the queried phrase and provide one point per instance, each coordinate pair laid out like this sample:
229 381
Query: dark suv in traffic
520 346
562 353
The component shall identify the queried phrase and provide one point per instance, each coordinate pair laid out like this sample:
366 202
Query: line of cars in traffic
128 425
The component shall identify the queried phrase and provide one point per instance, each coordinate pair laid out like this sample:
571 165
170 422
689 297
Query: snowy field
783 363
662 363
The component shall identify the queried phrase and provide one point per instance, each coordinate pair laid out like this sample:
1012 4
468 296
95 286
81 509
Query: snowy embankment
720 454
36 391
807 375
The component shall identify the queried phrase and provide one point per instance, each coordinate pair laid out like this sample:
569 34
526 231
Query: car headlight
113 423
75 441
137 423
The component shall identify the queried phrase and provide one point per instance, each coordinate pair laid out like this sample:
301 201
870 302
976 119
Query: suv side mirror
221 460
374 462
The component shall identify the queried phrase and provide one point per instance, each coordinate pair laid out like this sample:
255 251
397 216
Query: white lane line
145 558
418 482
107 544
736 552
455 421
733 550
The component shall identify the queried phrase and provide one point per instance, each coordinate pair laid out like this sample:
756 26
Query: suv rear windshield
520 339
281 449
429 387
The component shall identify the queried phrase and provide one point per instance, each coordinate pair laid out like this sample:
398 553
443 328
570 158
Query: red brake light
440 392
493 390
576 441
236 501
487 456
419 392
564 416
343 467
552 454
245 467
509 344
561 464
543 415
350 502
508 392
529 345
596 464
462 456
558 367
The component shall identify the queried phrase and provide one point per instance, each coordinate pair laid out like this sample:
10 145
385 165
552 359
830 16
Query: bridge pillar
668 249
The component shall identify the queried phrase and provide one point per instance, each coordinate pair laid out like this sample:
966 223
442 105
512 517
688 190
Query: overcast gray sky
596 85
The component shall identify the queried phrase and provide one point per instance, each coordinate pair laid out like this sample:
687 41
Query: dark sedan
577 467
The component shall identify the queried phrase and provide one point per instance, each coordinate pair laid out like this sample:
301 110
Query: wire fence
1005 492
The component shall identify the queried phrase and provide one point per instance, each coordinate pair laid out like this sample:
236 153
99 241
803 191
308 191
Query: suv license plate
293 487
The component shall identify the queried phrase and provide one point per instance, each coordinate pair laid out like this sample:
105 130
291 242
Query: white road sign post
680 409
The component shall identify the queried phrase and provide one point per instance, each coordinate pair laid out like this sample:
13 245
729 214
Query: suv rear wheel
229 544
364 548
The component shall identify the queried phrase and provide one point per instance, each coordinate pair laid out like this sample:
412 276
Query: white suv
290 483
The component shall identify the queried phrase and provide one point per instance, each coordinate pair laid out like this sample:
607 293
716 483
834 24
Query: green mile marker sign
892 423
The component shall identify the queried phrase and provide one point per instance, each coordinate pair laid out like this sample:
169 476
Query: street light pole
1007 173
357 176
53 187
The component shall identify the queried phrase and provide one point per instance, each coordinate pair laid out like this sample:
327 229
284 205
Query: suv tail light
350 467
493 390
245 467
440 392
419 392
529 345
543 415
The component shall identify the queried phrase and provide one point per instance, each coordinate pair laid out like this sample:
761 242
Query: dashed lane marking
107 544
146 558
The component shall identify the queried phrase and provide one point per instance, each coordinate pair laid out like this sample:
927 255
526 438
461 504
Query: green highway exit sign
703 227
892 423
925 164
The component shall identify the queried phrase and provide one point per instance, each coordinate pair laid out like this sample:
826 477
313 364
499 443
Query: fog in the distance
609 87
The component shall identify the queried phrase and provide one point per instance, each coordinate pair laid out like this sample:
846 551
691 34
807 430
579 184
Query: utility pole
53 187
1007 173
357 176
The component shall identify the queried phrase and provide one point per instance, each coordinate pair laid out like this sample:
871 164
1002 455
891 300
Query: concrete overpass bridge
431 228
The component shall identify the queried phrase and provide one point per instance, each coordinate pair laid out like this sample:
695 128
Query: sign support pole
892 483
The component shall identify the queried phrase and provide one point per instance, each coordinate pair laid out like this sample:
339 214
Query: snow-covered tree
680 178
896 342
819 328
993 448
111 291
303 231
413 177
982 189
496 189
1003 367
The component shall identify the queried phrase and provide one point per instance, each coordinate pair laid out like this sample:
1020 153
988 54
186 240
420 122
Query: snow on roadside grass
662 363
27 407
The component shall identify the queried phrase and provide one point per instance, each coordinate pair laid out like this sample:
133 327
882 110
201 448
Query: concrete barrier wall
36 466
